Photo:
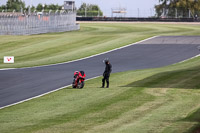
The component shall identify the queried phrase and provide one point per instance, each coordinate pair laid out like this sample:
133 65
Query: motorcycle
79 78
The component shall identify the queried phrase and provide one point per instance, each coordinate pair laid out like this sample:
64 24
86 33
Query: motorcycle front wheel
73 84
81 85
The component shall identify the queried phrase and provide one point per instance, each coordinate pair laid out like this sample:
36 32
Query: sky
135 8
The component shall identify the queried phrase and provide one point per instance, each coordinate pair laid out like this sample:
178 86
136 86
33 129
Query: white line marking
189 59
84 57
40 95
7 69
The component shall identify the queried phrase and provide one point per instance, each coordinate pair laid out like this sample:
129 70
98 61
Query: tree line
178 8
19 5
89 10
11 5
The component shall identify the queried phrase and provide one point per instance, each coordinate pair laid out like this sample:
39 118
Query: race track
19 84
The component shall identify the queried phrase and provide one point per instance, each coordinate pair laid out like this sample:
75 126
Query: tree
15 5
18 4
58 7
32 8
48 7
3 7
181 8
89 10
82 7
39 7
52 7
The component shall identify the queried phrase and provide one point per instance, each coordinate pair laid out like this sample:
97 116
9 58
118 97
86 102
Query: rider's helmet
76 72
106 60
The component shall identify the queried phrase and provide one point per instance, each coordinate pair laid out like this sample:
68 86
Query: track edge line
41 95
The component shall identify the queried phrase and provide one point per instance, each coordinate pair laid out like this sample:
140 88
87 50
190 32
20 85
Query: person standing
106 73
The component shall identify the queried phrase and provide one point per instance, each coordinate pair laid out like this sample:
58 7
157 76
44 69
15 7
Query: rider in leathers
106 73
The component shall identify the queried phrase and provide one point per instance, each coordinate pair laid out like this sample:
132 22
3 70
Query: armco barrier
135 19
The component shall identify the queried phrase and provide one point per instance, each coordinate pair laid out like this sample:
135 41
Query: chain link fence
11 24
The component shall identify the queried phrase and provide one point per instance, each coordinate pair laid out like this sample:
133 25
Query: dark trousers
105 78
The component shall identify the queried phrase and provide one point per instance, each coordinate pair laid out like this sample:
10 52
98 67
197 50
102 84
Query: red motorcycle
79 78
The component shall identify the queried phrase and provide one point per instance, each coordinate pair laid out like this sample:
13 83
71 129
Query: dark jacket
108 70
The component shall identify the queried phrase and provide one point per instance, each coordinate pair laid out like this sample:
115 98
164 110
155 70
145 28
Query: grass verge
157 100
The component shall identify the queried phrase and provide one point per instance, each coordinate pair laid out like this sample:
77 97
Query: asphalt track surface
20 84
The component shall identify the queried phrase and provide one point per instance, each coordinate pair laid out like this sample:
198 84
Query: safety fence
37 24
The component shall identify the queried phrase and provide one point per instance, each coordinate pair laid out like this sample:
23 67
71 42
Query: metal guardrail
136 19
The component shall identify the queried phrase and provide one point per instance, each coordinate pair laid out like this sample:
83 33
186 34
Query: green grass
93 38
157 100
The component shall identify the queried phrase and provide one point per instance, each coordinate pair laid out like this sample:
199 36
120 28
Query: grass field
157 100
93 38
154 100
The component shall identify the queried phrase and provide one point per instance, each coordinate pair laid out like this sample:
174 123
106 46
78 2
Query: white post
72 7
111 12
85 11
176 15
163 12
29 10
150 12
21 10
189 13
43 7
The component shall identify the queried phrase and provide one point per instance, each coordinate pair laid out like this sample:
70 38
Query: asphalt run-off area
17 85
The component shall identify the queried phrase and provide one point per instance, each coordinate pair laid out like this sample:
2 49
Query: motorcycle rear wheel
73 84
